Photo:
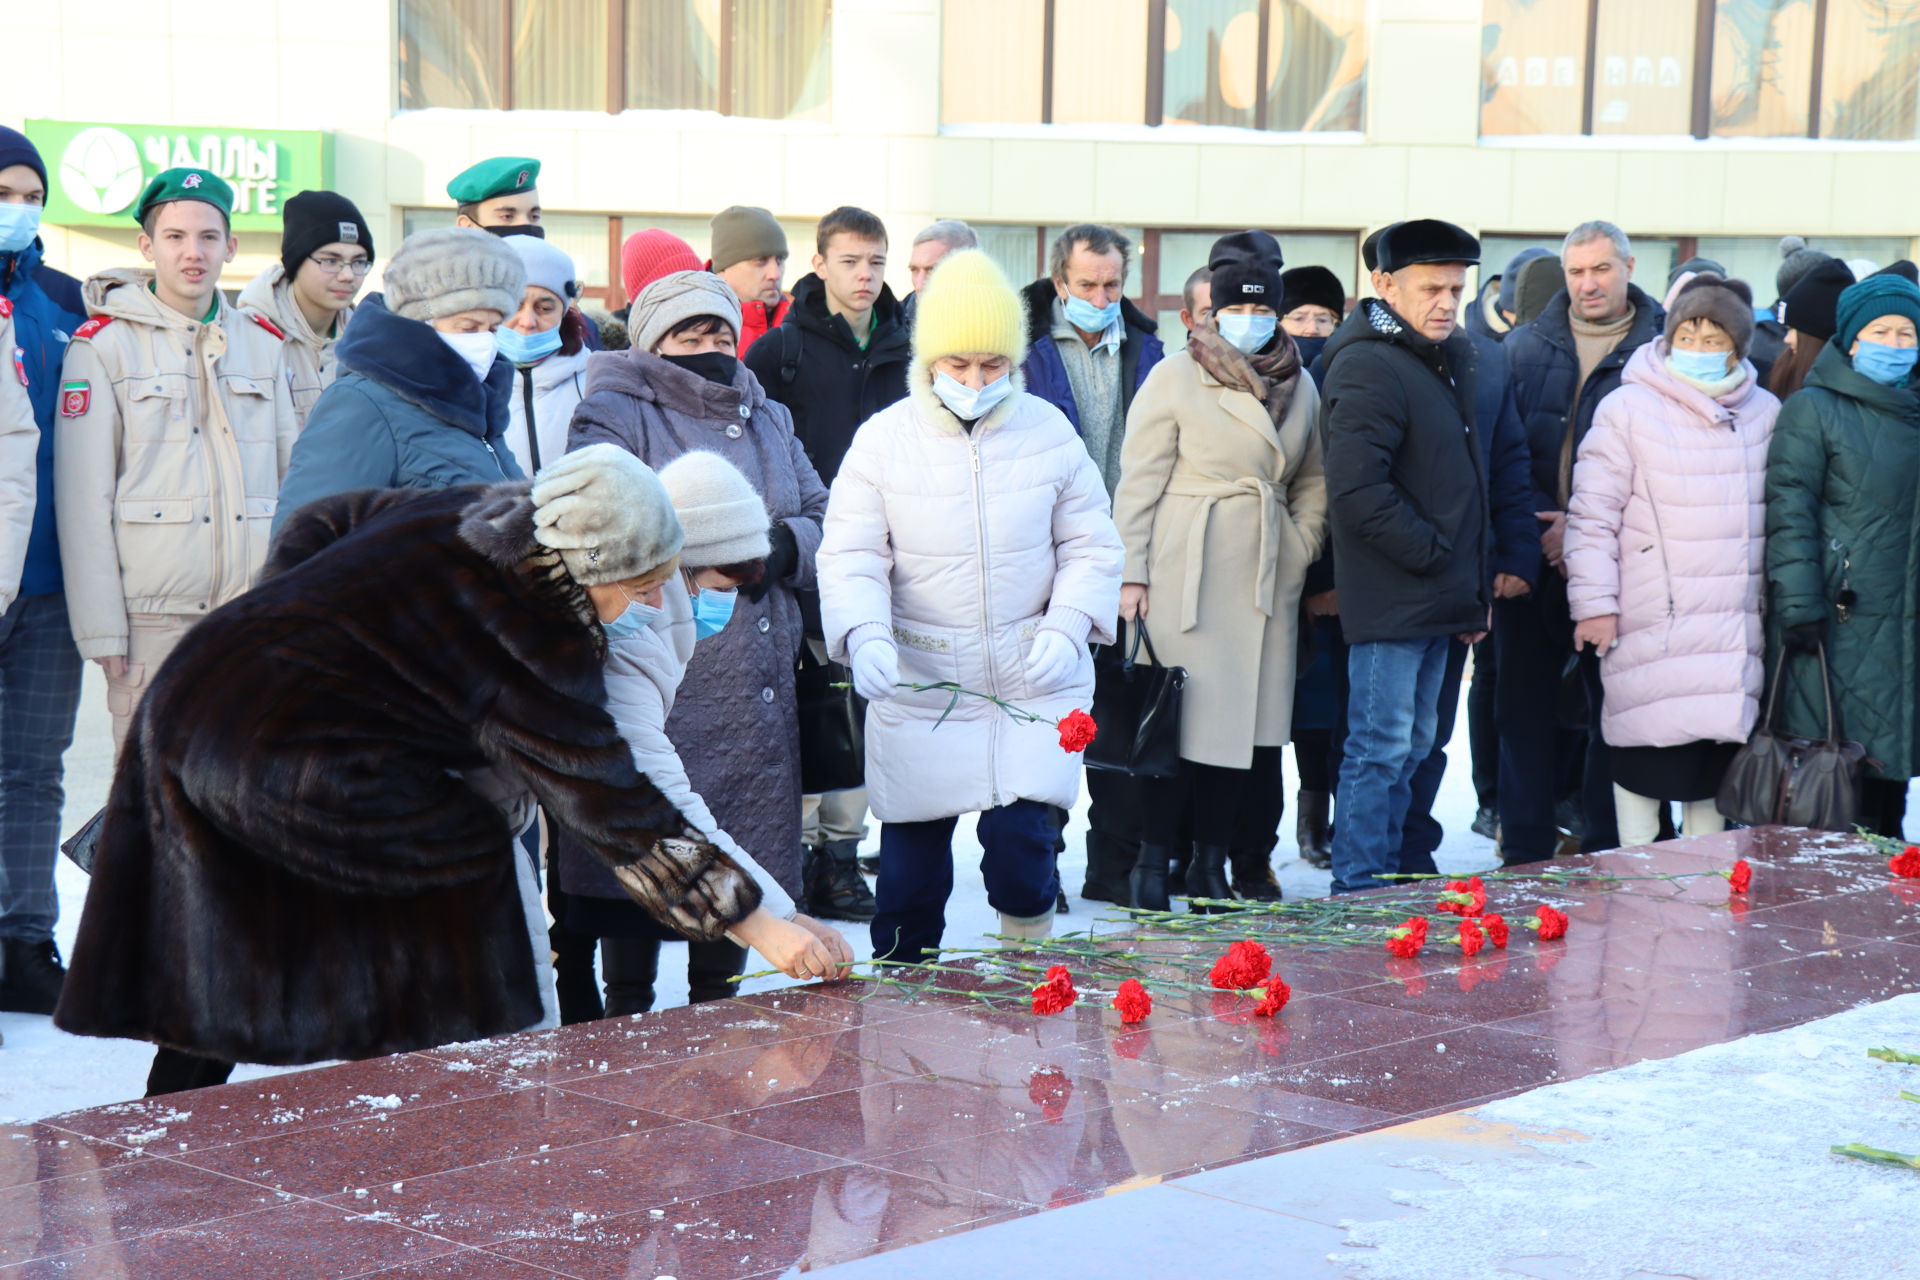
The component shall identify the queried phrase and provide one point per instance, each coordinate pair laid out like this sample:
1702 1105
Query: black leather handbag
1781 779
1137 706
833 723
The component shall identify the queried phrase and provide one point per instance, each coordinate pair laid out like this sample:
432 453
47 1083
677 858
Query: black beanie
316 218
1813 303
15 149
1246 269
1312 287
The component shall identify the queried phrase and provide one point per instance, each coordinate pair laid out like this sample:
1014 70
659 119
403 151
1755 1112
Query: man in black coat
838 358
1562 365
1407 491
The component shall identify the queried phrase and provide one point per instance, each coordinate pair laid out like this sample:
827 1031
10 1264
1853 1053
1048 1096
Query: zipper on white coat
986 623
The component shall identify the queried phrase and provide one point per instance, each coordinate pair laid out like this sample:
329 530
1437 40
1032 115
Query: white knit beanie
548 266
607 513
677 296
725 520
454 269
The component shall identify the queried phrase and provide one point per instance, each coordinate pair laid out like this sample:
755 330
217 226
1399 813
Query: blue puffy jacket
47 308
405 413
1046 372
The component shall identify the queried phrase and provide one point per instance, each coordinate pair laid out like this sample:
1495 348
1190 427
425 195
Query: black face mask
714 366
533 229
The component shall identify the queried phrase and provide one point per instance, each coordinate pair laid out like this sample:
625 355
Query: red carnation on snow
1056 993
1550 923
1906 864
1496 927
1464 897
1407 940
1470 937
1740 877
1077 732
1275 998
1245 965
1134 1001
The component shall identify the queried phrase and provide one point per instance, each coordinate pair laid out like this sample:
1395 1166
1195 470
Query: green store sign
96 171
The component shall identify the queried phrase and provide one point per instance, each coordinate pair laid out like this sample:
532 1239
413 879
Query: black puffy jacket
1406 480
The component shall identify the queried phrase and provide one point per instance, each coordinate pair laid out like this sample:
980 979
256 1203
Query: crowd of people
452 632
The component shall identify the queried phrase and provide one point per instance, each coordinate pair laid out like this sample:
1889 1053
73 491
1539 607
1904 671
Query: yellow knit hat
968 306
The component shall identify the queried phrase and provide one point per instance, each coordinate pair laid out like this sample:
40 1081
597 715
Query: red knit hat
648 255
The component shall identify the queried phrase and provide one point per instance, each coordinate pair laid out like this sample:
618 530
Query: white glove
876 669
1052 661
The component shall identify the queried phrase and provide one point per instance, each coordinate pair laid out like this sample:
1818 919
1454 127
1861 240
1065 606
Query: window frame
616 102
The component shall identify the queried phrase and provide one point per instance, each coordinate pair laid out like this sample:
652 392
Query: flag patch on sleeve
74 399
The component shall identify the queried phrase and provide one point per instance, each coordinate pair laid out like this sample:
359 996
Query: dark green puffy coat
1843 513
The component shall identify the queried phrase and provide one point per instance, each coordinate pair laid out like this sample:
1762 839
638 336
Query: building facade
1709 126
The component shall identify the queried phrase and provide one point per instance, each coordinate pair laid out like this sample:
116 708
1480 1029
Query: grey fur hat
606 513
724 517
454 269
678 296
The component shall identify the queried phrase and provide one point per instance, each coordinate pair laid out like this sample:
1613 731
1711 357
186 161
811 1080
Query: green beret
500 176
185 184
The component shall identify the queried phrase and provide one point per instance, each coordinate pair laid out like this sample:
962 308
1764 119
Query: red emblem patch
268 325
74 399
93 326
521 181
191 181
6 308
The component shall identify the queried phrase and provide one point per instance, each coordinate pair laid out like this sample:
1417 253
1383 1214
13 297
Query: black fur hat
1425 240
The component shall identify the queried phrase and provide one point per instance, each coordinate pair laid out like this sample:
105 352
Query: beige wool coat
1221 515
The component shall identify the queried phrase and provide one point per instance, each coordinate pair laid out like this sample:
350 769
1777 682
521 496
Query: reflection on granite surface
809 1126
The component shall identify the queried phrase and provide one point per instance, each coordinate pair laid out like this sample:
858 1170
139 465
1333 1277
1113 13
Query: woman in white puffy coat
968 539
546 343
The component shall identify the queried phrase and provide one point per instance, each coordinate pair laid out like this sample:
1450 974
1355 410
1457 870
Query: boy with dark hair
178 423
838 358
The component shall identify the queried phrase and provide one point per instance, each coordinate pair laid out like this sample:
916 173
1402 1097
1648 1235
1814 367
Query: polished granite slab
811 1126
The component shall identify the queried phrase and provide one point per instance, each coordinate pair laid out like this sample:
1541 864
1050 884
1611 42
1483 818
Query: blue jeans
39 693
916 875
1392 711
1421 832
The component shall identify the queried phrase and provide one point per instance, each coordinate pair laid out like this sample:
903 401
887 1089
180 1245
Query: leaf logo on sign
100 170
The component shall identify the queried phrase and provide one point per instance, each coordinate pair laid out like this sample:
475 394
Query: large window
765 58
1291 65
1710 68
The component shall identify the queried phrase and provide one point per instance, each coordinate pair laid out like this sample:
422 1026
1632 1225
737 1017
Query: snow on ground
44 1071
1710 1163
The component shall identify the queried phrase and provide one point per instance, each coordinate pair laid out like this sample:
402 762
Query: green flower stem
1876 1155
1894 1055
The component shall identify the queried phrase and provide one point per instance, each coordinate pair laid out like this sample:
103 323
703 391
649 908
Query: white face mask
967 404
477 349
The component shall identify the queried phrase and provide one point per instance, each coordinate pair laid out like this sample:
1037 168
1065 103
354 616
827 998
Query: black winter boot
710 968
573 980
630 966
835 889
30 975
1253 876
1148 881
1207 877
1312 830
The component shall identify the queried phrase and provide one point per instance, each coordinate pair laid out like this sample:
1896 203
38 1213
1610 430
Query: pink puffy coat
1667 529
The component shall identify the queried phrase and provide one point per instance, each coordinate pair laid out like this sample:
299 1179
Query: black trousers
1483 730
176 1072
1228 806
1535 638
1883 806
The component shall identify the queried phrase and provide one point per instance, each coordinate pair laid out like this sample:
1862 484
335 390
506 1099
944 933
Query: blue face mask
1698 366
521 348
1888 366
967 404
637 617
1247 333
19 224
712 610
1087 318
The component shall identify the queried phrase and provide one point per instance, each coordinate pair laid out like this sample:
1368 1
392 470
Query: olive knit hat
453 269
1870 299
606 513
967 306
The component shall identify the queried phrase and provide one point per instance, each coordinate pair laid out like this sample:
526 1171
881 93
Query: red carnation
1496 927
1245 965
1551 923
1134 1001
1049 1089
1275 999
1906 864
1055 994
1464 897
1740 877
1407 940
1077 732
1470 937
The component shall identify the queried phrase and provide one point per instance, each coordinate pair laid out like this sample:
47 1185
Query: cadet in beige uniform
178 426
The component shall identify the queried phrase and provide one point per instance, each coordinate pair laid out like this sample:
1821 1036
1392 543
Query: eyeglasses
333 266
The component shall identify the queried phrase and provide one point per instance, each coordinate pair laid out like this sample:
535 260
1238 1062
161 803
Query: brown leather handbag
1780 779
